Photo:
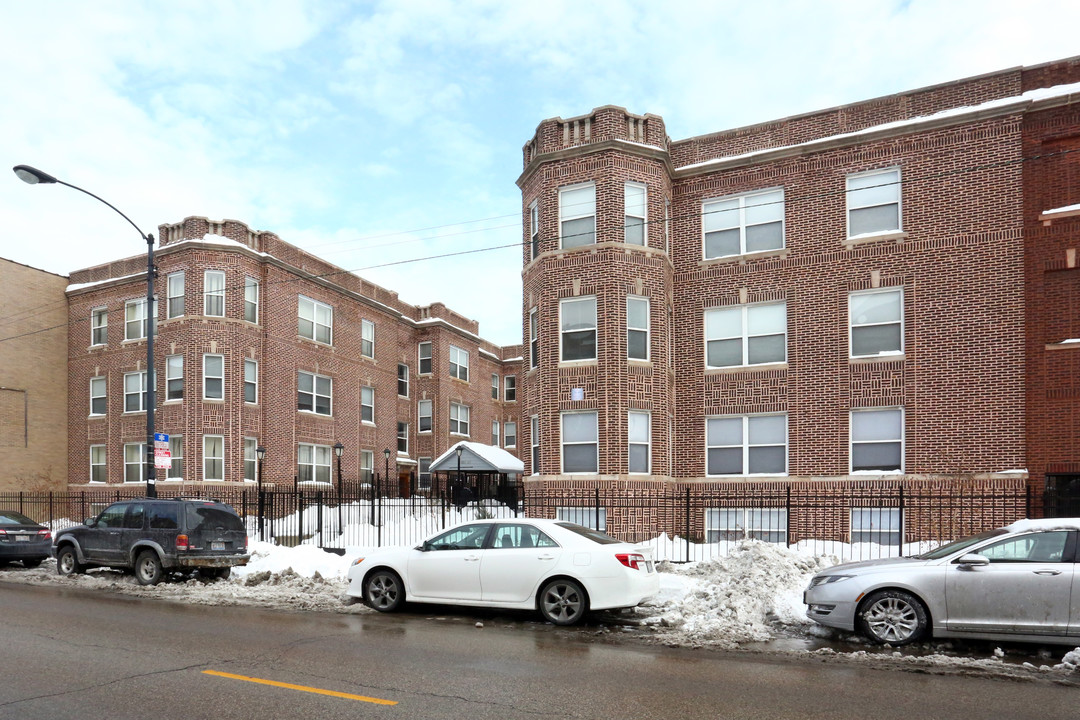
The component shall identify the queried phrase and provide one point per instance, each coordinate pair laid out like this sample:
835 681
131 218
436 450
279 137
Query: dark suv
153 536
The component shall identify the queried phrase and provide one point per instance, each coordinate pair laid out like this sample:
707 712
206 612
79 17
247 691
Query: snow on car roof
1045 524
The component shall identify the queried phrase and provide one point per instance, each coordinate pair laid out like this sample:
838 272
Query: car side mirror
90 522
425 546
972 560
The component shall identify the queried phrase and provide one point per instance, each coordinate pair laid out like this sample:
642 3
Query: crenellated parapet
603 124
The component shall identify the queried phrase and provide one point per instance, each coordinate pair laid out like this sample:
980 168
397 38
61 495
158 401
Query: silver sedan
1016 583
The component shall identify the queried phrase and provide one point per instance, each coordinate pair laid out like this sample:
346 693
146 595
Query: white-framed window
367 338
367 404
510 434
423 357
577 322
176 458
459 363
877 440
99 326
639 442
494 386
251 458
135 319
423 473
214 293
213 457
314 463
637 327
580 444
367 466
873 202
136 469
879 525
495 433
731 524
251 300
403 437
98 469
534 432
577 215
135 391
510 385
587 516
213 377
459 419
746 335
534 229
635 203
423 413
251 381
174 377
876 322
314 393
746 445
316 320
174 283
534 338
402 380
99 402
743 224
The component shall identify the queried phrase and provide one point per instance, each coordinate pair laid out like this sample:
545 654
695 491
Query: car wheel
224 573
148 570
383 590
563 602
893 617
31 563
67 561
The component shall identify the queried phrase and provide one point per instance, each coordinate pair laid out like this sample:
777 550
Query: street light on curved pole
33 176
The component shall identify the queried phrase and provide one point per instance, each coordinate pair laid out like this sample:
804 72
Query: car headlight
829 579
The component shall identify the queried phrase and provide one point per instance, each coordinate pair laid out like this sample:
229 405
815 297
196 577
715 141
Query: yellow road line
302 688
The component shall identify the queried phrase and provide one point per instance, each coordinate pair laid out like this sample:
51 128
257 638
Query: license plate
217 546
22 538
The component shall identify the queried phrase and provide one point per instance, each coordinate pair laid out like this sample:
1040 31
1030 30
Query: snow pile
733 600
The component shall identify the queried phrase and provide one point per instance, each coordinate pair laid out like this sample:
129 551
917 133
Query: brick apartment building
259 343
873 292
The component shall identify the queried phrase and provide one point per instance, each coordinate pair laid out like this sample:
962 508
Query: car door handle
471 558
1047 572
545 557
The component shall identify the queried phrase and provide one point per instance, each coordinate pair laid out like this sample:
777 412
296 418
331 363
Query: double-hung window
98 400
639 441
577 215
877 440
637 327
175 290
743 224
367 404
136 468
495 433
213 457
314 393
876 320
746 445
316 320
879 525
176 458
580 445
459 363
873 202
423 413
367 466
99 326
577 317
634 201
510 435
251 300
494 386
534 229
403 437
534 338
174 377
214 293
98 472
423 356
402 380
314 462
135 391
534 432
135 319
746 335
459 419
251 459
510 383
251 381
423 473
213 377
367 338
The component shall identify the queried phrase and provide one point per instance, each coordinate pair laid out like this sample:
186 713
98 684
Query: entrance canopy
478 458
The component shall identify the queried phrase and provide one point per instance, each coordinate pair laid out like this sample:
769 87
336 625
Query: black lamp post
33 176
260 452
338 449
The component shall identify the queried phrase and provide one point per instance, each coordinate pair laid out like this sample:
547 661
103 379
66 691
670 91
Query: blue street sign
161 437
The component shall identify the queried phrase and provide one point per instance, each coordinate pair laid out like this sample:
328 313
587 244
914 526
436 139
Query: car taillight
45 534
181 542
631 560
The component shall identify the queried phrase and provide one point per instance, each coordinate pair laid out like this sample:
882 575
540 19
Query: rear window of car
164 517
595 535
10 517
212 517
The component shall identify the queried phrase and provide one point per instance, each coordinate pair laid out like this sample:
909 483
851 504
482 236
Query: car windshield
10 517
211 517
946 550
595 535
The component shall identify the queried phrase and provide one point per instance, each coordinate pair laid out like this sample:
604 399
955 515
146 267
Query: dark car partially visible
23 539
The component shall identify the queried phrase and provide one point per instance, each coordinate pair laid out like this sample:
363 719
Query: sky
386 137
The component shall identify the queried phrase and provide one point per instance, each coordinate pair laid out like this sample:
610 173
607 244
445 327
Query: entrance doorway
405 483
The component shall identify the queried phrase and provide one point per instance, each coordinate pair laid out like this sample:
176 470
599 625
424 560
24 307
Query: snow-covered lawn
751 597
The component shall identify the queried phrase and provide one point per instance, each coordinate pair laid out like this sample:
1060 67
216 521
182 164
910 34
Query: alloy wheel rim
383 591
892 620
562 602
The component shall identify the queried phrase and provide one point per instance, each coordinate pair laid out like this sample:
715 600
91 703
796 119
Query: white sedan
559 568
